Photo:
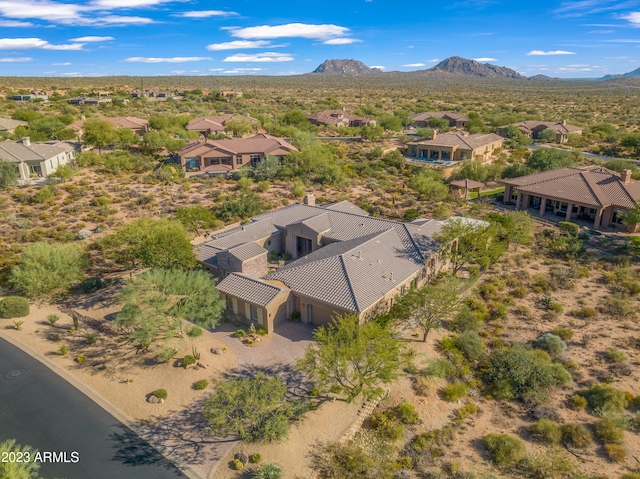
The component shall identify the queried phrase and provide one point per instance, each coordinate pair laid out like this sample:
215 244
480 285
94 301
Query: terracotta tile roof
247 251
558 127
249 289
428 115
17 152
467 184
257 144
335 117
215 123
9 124
460 140
345 207
591 185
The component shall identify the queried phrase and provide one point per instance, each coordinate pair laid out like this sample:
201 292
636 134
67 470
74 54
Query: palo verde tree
98 133
12 469
152 243
353 359
435 303
157 301
197 218
49 270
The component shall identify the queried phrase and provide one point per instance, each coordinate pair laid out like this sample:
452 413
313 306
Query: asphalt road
40 409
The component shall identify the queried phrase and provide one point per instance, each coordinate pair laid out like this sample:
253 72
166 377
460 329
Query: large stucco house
342 262
36 160
532 128
456 120
456 146
211 125
591 193
339 118
222 157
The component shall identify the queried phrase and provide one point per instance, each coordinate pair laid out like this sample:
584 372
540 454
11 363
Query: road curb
186 469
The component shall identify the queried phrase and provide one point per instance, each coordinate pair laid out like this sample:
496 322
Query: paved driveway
40 409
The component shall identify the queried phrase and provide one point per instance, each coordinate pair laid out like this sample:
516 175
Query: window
403 289
254 159
254 313
229 303
227 161
238 159
268 242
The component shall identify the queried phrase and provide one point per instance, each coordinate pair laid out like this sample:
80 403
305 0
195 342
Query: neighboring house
8 125
339 118
227 95
137 125
456 120
211 125
456 146
88 100
343 262
27 97
221 157
36 160
590 193
533 128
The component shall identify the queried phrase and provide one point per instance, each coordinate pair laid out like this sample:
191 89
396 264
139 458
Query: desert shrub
91 338
255 458
470 344
386 424
466 411
237 464
585 313
263 186
550 464
618 306
505 449
615 355
439 368
615 452
242 457
631 475
576 435
520 291
563 333
194 332
188 360
466 320
407 413
81 358
14 307
578 403
91 285
454 391
52 319
556 307
63 349
608 431
166 354
606 398
546 431
551 343
269 470
240 333
201 384
160 393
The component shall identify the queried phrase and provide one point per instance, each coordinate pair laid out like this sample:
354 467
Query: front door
309 313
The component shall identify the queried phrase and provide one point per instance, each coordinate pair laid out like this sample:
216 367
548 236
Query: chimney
564 122
344 109
309 199
625 176
26 141
434 135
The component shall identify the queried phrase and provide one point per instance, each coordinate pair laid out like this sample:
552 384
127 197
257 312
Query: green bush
551 343
608 431
63 350
81 358
407 413
578 403
453 392
506 450
386 424
615 355
563 333
466 320
568 227
237 464
550 464
160 393
255 458
606 398
631 475
269 470
465 411
188 360
470 344
615 452
546 431
201 384
52 319
14 307
585 313
576 435
166 354
240 333
91 285
194 332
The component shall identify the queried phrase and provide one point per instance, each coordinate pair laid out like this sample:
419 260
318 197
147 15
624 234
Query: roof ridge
412 239
346 276
595 188
259 281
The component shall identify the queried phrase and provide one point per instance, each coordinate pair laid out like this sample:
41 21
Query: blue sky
582 38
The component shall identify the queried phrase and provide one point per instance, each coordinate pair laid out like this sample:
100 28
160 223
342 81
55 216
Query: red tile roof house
210 125
221 157
455 146
339 118
343 262
533 128
137 125
456 120
590 193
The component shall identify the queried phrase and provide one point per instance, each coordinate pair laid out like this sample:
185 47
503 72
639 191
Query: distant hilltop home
221 157
456 120
591 193
137 125
532 128
36 160
343 261
92 100
8 125
339 118
456 146
29 97
227 95
211 125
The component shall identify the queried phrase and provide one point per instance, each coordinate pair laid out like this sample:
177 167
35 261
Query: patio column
543 205
597 220
518 200
439 155
201 163
569 210
507 193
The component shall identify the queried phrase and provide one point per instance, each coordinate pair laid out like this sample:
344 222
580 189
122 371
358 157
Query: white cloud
599 32
621 41
341 41
237 44
109 4
433 60
205 14
14 24
539 53
379 67
267 57
414 65
249 69
91 39
35 43
290 30
486 59
63 64
166 60
632 17
75 74
16 60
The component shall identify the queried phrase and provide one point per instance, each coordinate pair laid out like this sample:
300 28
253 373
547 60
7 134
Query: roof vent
359 254
392 276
